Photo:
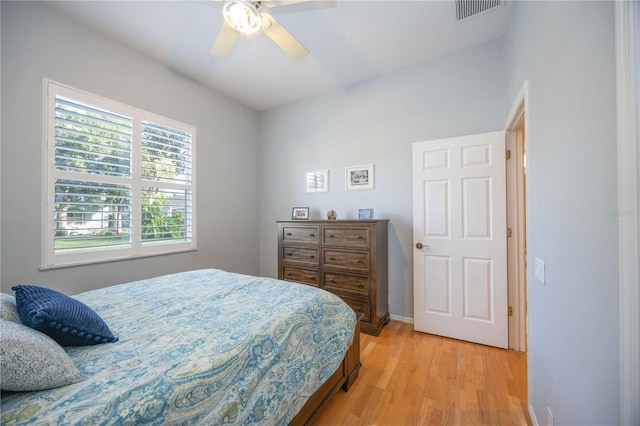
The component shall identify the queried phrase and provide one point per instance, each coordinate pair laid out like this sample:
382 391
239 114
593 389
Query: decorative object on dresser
344 257
332 215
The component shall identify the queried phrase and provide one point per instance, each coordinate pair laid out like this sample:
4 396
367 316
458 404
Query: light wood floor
411 378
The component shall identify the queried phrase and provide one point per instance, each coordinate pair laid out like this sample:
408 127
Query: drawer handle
312 257
358 284
289 274
331 236
332 258
358 261
312 235
289 234
359 237
289 254
312 278
358 308
332 281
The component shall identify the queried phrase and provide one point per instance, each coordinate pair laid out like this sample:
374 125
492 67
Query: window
119 181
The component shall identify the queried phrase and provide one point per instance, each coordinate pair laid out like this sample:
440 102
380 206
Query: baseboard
532 415
398 318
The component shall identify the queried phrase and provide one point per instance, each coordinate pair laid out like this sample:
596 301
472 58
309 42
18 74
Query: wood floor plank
412 378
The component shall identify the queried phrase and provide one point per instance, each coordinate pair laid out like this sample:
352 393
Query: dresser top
326 221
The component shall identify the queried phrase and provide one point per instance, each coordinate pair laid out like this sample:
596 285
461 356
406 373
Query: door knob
420 245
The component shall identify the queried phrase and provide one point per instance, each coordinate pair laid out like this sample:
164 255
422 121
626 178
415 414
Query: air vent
468 8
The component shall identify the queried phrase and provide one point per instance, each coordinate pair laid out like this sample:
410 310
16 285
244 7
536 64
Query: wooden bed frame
343 378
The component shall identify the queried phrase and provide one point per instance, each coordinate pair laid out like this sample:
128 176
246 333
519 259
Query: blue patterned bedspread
202 347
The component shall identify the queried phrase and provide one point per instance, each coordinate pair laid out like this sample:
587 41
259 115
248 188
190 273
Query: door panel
460 274
477 289
437 208
437 272
476 207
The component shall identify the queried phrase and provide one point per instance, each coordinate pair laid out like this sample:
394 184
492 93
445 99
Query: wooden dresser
345 257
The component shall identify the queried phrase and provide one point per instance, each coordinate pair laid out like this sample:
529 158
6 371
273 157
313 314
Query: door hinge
510 311
508 154
509 233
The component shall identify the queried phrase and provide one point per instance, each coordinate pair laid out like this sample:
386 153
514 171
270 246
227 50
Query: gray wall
375 121
37 42
566 51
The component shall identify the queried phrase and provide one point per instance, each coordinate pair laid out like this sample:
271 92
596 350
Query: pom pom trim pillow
67 321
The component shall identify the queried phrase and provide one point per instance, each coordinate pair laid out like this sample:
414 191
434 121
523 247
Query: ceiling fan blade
276 3
224 42
282 37
212 3
299 5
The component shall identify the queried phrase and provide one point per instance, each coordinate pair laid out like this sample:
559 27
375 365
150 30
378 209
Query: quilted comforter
200 347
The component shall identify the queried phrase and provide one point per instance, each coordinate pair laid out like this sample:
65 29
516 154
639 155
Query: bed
203 347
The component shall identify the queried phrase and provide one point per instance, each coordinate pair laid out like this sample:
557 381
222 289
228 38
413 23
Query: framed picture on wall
317 181
359 177
300 213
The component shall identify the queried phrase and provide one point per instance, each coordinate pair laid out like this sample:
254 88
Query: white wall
566 51
38 42
375 121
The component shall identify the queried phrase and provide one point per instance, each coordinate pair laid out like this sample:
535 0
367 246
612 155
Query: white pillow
8 309
31 360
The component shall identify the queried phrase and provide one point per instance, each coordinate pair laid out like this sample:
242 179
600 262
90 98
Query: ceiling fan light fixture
242 16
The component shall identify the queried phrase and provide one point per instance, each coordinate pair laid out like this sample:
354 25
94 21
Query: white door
459 237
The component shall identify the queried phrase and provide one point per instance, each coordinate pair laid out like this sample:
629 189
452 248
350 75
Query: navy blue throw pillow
67 321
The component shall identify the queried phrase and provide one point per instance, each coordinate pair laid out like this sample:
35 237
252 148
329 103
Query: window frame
137 249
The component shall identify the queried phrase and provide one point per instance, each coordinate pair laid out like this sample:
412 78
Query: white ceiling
350 42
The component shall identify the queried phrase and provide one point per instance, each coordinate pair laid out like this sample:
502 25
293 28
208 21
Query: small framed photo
300 213
359 177
365 213
317 181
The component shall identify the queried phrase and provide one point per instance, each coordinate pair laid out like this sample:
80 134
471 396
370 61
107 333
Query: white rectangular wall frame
627 15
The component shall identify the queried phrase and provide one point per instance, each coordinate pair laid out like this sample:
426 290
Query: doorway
516 134
467 289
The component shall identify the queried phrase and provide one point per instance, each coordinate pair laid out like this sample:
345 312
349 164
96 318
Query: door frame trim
517 119
627 33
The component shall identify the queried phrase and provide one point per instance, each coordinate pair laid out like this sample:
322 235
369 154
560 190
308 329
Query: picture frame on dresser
300 213
365 214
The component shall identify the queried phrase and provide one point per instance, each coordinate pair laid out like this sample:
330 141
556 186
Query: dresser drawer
343 236
333 281
300 234
360 306
300 255
307 276
356 260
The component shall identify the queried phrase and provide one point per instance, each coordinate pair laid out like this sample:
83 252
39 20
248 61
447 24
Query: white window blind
166 180
120 181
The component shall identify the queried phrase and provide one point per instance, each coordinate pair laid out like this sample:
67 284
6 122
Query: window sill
113 259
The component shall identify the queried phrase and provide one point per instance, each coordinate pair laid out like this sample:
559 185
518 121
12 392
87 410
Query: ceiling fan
250 17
